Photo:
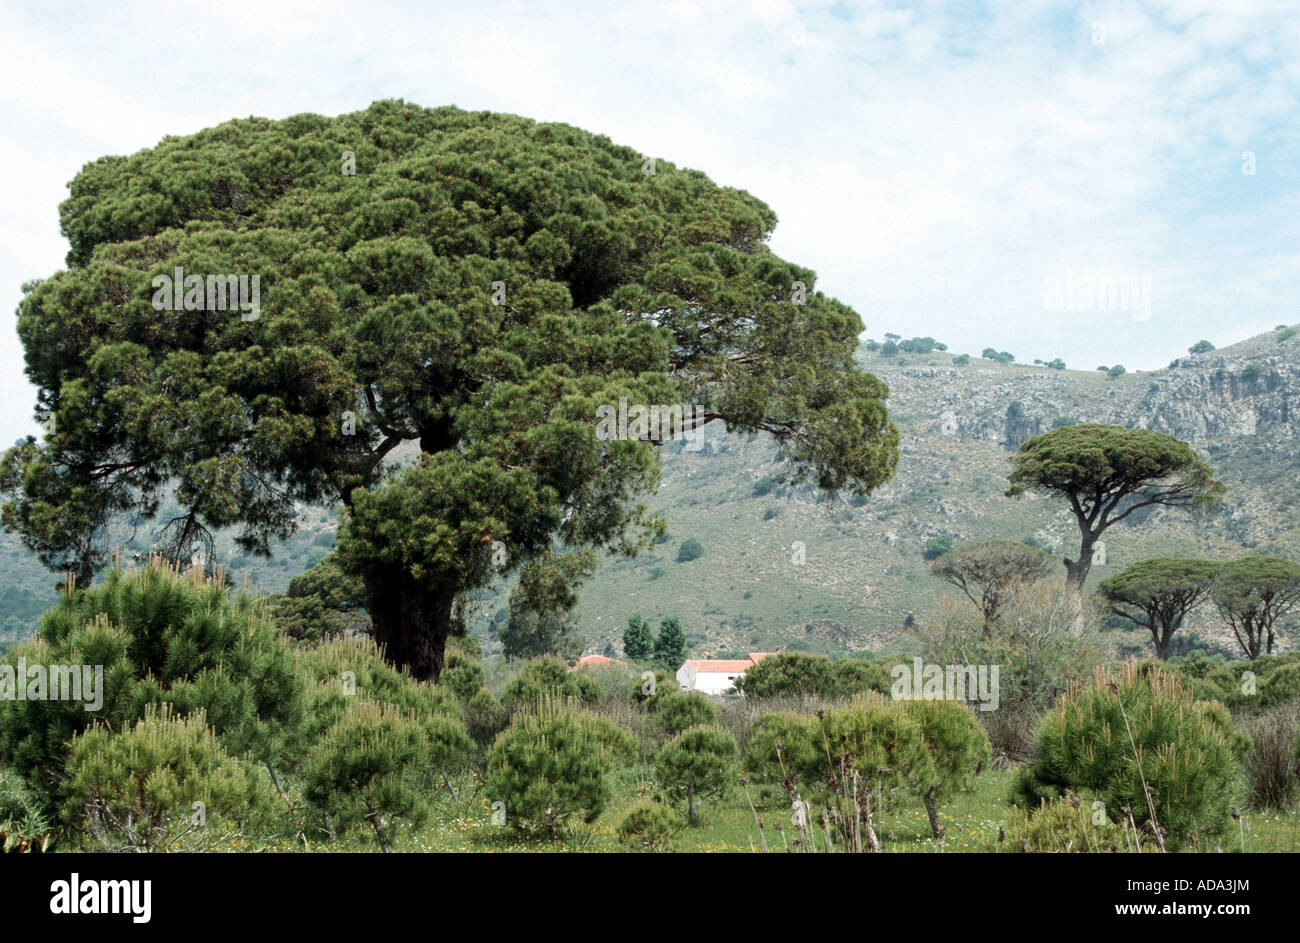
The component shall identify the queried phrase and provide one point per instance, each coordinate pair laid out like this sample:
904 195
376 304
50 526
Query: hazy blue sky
938 165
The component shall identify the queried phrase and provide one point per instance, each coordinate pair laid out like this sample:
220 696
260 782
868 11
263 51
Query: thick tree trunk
1162 641
411 626
1076 571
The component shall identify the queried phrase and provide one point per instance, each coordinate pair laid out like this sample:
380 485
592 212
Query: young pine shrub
344 671
462 676
164 780
885 742
545 677
1059 825
163 638
646 691
1131 732
680 710
789 673
697 764
842 767
853 676
650 826
632 718
852 761
784 745
959 750
374 763
485 717
1205 689
553 762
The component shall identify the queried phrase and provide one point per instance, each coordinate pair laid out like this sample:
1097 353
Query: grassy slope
864 572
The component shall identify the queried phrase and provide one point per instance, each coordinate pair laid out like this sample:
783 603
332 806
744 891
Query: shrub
696 764
958 746
348 670
936 547
1200 347
881 740
1060 825
553 762
1116 371
485 717
771 513
650 826
162 639
373 762
1041 642
800 747
921 345
1273 766
24 825
320 602
680 710
858 676
1114 735
590 691
788 673
961 360
648 694
462 676
885 742
1280 687
466 646
549 677
691 549
136 790
1206 689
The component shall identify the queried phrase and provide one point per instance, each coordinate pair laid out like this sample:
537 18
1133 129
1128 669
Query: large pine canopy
479 286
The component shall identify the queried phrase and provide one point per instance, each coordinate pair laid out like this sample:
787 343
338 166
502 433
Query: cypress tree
670 646
638 640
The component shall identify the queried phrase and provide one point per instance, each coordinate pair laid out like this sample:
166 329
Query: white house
715 676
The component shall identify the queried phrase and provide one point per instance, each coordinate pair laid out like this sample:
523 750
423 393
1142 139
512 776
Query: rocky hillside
864 574
788 568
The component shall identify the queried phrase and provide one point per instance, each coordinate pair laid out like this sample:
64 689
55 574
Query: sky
956 170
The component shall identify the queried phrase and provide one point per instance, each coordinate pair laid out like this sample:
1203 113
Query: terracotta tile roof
720 665
756 657
597 661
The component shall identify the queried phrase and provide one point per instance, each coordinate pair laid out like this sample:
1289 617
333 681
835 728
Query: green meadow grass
971 821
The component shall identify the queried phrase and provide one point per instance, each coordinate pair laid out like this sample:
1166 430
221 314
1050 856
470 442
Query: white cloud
933 166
